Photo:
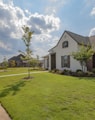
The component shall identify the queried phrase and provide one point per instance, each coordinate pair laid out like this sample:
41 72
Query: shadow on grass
16 87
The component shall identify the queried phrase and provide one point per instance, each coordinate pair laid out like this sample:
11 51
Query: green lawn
15 70
48 97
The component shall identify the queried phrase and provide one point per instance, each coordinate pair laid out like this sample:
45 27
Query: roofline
70 36
58 41
75 39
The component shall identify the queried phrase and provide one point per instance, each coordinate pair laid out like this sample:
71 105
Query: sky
47 18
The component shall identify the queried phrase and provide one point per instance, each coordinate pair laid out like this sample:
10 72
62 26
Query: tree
12 63
5 64
26 37
33 63
83 55
38 61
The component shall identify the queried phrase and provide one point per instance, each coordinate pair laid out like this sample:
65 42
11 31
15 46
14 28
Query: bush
61 72
89 74
80 73
78 70
93 70
67 72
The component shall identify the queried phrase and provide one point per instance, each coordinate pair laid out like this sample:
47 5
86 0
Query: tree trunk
81 65
28 70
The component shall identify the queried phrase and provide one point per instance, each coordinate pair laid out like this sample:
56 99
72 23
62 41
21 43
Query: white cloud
92 32
43 23
93 11
12 18
4 46
42 43
55 5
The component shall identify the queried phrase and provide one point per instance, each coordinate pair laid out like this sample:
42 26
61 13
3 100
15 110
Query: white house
60 56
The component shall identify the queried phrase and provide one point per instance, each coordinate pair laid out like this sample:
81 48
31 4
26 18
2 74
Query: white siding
72 47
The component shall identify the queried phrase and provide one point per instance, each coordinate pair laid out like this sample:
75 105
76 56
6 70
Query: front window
65 61
65 44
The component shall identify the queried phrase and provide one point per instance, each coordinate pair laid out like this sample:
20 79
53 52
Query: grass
48 97
16 70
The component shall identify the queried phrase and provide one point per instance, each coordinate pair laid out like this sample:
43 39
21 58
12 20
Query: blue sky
48 18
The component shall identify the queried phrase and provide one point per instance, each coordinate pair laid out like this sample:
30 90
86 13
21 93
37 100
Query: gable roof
78 38
16 58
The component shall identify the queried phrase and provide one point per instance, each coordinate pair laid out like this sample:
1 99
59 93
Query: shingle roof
79 38
17 58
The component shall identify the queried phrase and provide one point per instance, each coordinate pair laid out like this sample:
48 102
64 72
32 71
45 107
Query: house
17 61
46 62
60 56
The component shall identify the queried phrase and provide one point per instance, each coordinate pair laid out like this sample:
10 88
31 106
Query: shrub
67 72
93 70
61 72
78 70
89 74
80 73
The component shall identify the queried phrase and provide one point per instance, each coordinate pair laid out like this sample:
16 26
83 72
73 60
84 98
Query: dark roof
16 58
79 38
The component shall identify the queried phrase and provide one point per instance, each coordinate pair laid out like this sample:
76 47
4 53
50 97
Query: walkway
22 74
3 114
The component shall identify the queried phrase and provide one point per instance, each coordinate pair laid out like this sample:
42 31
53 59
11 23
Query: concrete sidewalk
3 114
22 74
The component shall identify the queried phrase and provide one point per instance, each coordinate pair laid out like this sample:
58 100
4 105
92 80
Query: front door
53 61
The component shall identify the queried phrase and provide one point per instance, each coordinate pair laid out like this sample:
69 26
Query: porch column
49 61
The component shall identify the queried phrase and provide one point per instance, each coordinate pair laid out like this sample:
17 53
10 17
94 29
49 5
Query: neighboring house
46 62
17 61
60 56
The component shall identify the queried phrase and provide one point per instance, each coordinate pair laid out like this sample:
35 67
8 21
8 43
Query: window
65 61
65 44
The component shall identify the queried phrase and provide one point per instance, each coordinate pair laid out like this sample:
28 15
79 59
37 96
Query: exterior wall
72 47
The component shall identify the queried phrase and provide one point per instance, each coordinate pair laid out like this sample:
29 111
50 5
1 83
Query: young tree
83 55
33 63
27 36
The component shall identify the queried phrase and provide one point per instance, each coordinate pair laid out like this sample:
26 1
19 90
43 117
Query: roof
78 38
16 58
